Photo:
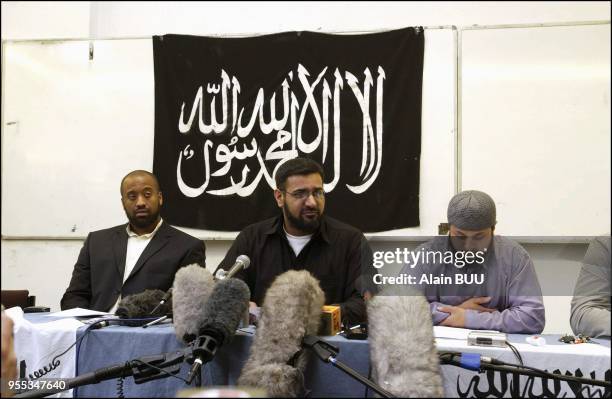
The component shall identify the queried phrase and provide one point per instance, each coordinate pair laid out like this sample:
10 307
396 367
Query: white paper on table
77 312
451 332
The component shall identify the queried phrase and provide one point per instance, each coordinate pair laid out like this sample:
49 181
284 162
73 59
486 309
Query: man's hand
254 312
476 304
456 317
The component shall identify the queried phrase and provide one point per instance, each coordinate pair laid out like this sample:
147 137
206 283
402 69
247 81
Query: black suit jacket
97 279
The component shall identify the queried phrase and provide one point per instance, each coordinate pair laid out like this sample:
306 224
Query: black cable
543 373
120 393
78 349
55 363
522 365
367 388
88 329
516 353
44 370
161 370
539 371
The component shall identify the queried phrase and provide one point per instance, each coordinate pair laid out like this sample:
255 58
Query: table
117 344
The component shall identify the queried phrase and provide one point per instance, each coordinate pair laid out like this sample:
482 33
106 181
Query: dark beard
307 227
143 223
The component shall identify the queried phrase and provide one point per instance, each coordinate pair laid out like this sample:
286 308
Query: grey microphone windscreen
140 305
190 291
402 349
227 305
291 309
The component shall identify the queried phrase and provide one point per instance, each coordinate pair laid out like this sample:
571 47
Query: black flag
230 111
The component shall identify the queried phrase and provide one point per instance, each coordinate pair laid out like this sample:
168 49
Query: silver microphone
242 262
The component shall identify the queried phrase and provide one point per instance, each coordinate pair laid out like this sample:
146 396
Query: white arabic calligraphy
289 139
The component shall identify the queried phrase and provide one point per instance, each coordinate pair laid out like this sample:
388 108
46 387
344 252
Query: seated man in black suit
130 258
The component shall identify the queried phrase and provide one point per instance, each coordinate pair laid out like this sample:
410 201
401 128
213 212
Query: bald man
475 279
127 259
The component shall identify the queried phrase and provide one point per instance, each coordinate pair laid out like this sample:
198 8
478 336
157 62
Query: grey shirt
591 302
509 279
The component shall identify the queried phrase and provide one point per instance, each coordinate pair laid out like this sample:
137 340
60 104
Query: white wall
133 18
38 20
45 19
45 266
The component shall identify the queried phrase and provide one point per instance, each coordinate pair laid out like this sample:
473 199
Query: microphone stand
163 301
448 358
137 368
156 321
203 351
327 352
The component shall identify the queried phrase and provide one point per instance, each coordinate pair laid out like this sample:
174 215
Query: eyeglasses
318 194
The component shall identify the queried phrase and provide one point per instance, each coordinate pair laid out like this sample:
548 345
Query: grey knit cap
471 210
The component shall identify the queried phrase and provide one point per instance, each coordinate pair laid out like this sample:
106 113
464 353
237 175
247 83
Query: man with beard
128 259
493 284
301 237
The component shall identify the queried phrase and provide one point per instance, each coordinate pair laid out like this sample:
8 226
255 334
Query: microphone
191 288
291 310
328 352
142 305
242 262
101 322
402 350
164 299
228 303
143 369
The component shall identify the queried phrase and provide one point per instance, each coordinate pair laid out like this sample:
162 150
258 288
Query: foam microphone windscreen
227 305
140 305
291 310
402 349
190 291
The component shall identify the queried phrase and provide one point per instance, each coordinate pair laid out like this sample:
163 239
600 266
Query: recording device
487 338
359 332
402 350
36 309
330 320
242 263
291 310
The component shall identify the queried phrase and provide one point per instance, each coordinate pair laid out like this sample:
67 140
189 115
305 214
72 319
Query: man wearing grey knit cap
497 290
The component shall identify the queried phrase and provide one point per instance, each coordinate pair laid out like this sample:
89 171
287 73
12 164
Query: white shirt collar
145 236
